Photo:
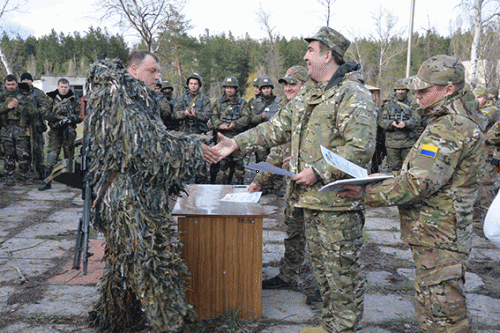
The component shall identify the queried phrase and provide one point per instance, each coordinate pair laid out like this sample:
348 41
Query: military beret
332 38
294 74
439 70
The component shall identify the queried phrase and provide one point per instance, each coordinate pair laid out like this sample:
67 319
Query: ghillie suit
135 164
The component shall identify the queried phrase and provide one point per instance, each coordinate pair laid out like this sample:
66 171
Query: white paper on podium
266 167
491 227
242 197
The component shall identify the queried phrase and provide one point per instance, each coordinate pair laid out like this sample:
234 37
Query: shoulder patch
485 111
429 150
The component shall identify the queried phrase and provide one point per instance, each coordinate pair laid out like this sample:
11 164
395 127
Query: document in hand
491 227
360 174
266 167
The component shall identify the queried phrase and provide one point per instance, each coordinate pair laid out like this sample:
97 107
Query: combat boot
45 186
314 298
313 330
276 283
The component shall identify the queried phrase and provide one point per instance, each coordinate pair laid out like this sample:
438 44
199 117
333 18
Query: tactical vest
63 108
398 111
21 115
272 108
231 111
191 124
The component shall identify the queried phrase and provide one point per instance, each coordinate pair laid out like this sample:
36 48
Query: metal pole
410 35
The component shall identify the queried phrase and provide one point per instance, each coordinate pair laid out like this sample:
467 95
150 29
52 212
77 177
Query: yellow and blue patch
429 150
485 111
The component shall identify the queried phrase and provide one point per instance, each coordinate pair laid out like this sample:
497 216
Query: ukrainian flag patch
429 150
485 111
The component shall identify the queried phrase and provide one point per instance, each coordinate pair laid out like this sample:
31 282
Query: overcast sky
290 18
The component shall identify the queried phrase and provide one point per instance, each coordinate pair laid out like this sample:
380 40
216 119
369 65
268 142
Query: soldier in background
38 126
493 95
193 109
168 119
435 192
230 116
399 122
256 90
17 108
62 119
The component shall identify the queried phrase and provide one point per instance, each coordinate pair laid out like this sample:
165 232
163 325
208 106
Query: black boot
314 298
45 186
276 283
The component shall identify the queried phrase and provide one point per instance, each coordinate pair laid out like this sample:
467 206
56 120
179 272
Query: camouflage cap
401 84
332 38
438 70
490 90
480 91
266 82
294 74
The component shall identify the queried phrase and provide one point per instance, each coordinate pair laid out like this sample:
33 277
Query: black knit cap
26 76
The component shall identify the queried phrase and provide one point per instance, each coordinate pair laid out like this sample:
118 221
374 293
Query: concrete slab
33 328
383 212
401 254
47 229
272 253
473 282
483 254
285 305
284 328
25 248
28 267
380 308
269 272
57 193
381 223
63 300
484 309
378 279
273 237
5 293
385 237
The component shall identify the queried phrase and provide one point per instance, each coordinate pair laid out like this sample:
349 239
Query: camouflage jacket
395 111
438 183
261 104
341 117
492 113
202 107
234 110
43 104
22 114
63 108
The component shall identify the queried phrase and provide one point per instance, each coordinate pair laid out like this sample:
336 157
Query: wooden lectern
222 246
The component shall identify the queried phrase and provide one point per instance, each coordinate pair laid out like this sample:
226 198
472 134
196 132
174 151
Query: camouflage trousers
37 144
440 298
396 157
16 148
295 244
335 239
233 164
58 139
487 192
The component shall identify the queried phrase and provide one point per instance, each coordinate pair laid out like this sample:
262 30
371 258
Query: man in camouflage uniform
62 119
168 119
295 244
256 90
193 109
17 108
399 122
435 192
264 108
489 182
230 116
337 112
38 126
493 95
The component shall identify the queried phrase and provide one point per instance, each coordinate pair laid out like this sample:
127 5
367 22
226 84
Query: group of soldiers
25 112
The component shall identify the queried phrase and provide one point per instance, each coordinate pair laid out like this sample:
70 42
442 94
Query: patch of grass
58 320
9 197
37 317
394 229
407 287
51 237
401 320
232 320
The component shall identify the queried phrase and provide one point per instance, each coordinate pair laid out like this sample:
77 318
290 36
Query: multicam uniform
435 192
339 115
62 120
15 132
225 111
398 141
38 127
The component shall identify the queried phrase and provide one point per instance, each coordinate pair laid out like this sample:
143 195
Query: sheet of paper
343 165
243 197
491 227
337 185
266 167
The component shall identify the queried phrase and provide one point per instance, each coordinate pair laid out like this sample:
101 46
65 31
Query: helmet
194 76
256 82
167 85
401 84
230 81
266 82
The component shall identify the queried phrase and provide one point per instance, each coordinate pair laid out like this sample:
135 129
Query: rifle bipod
82 237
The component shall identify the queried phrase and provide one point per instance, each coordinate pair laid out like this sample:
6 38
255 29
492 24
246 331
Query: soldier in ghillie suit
38 126
337 112
17 108
399 122
62 117
193 109
435 192
230 116
135 164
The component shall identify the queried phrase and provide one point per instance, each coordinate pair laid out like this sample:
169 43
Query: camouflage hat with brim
294 74
492 91
480 91
439 70
332 38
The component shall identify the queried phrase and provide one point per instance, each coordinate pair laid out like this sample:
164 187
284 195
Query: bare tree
328 5
7 6
146 17
388 38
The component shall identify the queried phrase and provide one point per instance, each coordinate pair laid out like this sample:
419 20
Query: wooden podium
222 246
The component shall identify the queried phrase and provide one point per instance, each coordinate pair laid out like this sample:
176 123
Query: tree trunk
475 43
5 62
